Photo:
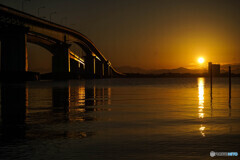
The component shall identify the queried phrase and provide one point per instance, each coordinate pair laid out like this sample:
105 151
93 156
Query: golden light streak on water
81 96
109 96
201 82
201 129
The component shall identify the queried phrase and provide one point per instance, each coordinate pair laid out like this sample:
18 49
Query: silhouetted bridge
17 28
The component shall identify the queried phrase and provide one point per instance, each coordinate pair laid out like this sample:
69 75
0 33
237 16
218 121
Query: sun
201 60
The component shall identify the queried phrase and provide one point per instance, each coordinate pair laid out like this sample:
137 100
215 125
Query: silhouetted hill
178 70
234 67
182 70
128 69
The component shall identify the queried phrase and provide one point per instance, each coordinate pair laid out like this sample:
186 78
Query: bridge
17 28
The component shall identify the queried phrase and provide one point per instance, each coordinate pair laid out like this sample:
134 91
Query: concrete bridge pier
110 73
74 66
14 58
74 69
14 50
61 61
106 70
90 66
82 69
99 69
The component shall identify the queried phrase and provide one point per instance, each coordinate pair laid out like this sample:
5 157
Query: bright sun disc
200 60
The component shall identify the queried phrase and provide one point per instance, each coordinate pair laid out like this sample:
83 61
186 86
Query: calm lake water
161 118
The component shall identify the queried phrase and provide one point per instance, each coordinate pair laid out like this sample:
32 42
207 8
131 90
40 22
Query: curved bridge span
18 28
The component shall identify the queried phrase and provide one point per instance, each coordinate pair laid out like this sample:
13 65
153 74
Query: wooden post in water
210 74
230 82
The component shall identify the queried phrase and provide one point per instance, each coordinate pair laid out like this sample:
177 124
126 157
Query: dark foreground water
119 119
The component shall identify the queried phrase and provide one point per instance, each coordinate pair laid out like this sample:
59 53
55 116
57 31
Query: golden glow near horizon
201 60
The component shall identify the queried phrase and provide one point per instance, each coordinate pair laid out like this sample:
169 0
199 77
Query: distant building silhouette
215 68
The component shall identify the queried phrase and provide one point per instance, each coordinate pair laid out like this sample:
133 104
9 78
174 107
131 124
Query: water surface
160 118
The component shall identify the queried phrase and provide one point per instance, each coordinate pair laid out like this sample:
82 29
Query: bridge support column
14 59
90 66
14 51
110 72
74 66
61 61
99 69
106 70
82 69
74 69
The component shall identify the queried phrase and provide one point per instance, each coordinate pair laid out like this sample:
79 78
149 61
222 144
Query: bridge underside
17 28
65 64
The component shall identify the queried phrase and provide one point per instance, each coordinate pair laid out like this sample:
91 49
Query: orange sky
150 34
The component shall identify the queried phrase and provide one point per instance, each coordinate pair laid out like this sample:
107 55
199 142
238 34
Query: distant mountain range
235 68
129 69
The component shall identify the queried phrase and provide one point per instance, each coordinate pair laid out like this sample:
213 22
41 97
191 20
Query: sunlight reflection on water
201 82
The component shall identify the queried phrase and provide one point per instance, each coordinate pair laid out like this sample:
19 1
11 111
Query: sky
150 34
